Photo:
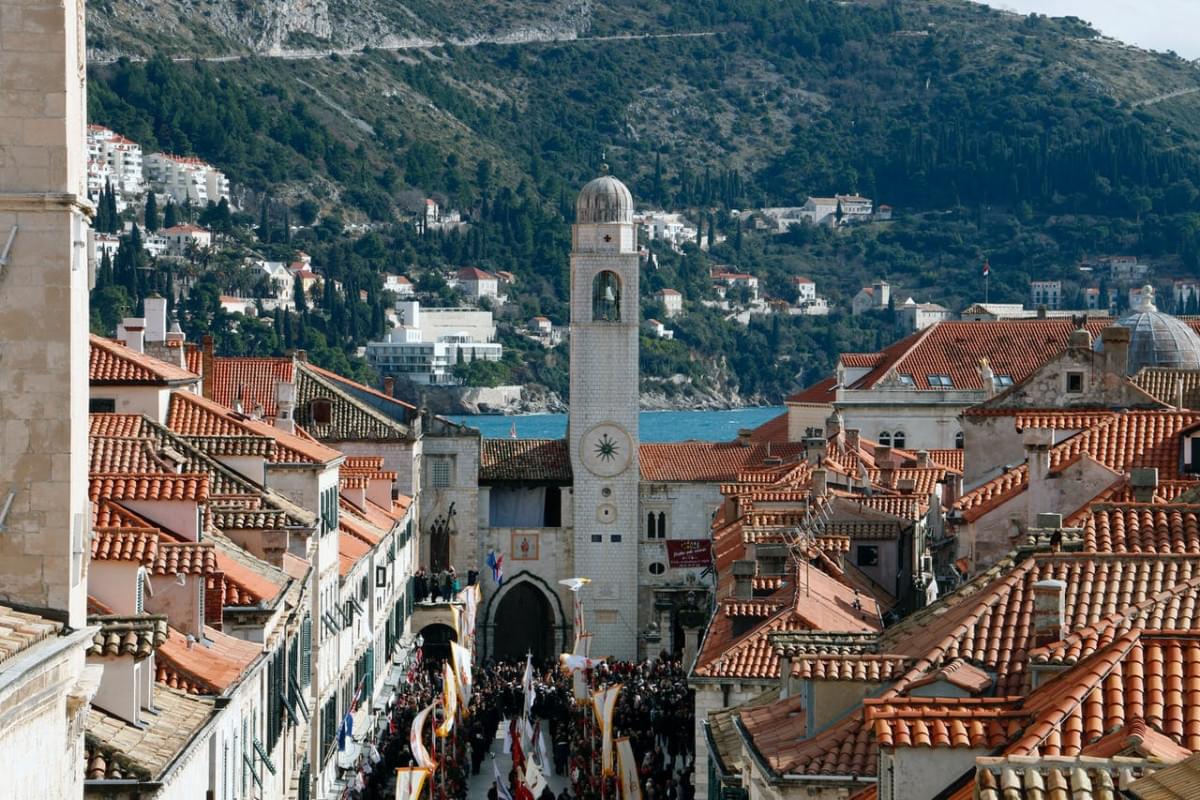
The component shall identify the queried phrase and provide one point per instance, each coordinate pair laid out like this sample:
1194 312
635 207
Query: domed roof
1157 339
604 199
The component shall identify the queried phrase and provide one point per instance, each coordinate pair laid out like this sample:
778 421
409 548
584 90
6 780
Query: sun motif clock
606 449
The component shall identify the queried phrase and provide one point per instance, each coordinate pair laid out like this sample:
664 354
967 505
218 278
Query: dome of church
604 199
1157 339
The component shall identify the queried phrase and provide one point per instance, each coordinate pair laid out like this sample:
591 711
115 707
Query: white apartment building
185 178
661 226
671 300
117 161
824 210
1047 293
806 289
427 344
398 285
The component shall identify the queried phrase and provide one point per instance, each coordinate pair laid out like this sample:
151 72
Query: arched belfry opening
524 624
606 297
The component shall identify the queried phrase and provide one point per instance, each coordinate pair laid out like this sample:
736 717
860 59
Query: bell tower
43 309
602 430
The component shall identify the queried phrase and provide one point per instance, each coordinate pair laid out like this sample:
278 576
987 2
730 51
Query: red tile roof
191 415
474 274
707 462
820 393
122 425
112 363
1013 347
208 668
253 379
524 460
148 486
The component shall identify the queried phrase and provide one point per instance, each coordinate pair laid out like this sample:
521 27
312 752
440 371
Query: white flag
533 776
410 781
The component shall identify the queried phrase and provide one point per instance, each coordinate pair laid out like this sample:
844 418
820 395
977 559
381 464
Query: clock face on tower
605 450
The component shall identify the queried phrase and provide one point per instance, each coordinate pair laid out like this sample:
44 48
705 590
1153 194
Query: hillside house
871 298
671 301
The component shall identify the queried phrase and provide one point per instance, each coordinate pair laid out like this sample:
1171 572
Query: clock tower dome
602 432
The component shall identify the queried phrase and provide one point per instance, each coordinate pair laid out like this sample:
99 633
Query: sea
654 426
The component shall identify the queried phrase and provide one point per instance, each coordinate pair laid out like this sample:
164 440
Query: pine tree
151 217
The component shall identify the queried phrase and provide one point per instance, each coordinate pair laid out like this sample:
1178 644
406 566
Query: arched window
606 297
650 525
898 439
885 438
958 440
662 525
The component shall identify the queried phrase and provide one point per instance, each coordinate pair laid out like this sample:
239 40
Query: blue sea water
655 426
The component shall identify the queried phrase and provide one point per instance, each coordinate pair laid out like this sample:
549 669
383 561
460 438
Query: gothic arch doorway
435 645
524 624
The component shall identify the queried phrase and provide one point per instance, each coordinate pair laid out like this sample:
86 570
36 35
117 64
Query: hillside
1032 141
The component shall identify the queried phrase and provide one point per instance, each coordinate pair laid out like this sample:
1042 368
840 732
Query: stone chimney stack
285 400
815 447
1038 442
135 333
743 436
206 364
852 439
389 386
1144 481
1049 615
743 579
923 459
155 308
1115 339
820 483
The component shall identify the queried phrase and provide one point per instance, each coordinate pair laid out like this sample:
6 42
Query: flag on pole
495 560
449 700
461 657
501 783
541 743
987 268
410 781
513 740
583 645
579 687
604 703
627 770
527 685
533 777
571 662
512 432
419 753
472 610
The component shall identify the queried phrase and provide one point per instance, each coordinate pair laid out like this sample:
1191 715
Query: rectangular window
616 537
941 382
102 405
1074 383
1004 380
867 555
906 379
439 469
597 538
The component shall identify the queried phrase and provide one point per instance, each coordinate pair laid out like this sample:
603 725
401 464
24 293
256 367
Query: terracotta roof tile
950 459
128 544
148 486
251 379
112 363
820 393
119 425
117 750
190 415
20 630
138 635
524 460
1164 384
208 668
774 430
708 462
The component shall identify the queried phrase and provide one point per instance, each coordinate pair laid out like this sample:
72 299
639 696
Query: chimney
302 355
923 459
285 399
1049 618
1179 393
176 338
1041 311
785 676
852 438
820 483
743 436
815 447
833 425
389 386
988 377
1144 481
155 308
135 333
743 579
206 364
1115 339
1037 458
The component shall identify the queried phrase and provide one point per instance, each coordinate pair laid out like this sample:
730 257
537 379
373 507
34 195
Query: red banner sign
689 552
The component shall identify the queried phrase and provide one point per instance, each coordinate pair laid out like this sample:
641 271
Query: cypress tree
170 215
298 295
151 217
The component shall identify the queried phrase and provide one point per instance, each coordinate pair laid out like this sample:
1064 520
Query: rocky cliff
222 29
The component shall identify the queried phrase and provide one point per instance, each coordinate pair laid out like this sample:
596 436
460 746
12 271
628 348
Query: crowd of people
654 709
